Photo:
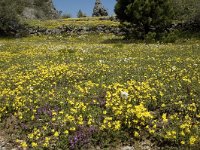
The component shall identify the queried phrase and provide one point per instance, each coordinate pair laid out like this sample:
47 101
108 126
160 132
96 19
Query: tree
66 16
99 10
80 14
185 9
144 15
9 21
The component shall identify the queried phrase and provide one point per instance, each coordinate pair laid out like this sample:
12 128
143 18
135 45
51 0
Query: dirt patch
5 144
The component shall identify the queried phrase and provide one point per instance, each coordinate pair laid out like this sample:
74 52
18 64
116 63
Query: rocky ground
4 144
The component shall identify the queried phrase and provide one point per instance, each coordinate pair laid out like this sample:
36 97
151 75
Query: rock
99 10
35 10
29 13
70 29
127 148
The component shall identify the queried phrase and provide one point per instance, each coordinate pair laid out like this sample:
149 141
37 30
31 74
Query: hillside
84 25
78 22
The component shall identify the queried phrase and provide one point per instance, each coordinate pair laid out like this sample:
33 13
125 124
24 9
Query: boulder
40 9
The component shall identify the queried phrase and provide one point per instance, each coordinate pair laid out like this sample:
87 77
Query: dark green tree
9 19
66 16
185 9
144 15
80 14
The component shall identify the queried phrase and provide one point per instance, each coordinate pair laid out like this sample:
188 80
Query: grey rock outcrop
99 10
40 9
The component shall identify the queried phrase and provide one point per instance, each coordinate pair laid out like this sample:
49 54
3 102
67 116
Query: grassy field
78 92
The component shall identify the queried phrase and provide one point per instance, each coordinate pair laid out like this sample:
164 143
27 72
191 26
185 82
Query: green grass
65 92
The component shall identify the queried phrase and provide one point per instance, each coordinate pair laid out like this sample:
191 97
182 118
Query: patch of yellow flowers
52 89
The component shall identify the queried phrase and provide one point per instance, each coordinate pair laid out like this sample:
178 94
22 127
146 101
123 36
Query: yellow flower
44 127
104 112
30 136
66 132
154 126
33 144
163 105
182 133
136 134
72 129
23 144
45 144
47 139
182 142
192 140
151 131
117 125
56 134
164 117
53 119
32 117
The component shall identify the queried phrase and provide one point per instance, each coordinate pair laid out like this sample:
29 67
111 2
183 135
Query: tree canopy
146 15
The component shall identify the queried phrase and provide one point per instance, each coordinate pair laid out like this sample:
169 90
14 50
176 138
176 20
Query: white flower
101 61
174 68
124 95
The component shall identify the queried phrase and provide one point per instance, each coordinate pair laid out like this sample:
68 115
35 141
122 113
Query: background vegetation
9 19
186 9
144 16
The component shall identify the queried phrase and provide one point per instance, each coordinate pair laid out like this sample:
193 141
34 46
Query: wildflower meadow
83 91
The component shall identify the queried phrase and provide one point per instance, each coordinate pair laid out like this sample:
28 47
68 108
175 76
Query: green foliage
39 2
9 19
170 37
185 9
144 15
187 12
165 37
150 37
7 9
80 14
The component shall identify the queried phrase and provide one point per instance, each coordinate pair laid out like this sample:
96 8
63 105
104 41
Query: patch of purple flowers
82 136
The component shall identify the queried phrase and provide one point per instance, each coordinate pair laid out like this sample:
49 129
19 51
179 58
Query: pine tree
80 14
145 15
99 10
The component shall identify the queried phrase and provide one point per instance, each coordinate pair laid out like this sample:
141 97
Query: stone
29 13
127 148
70 29
99 10
35 10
